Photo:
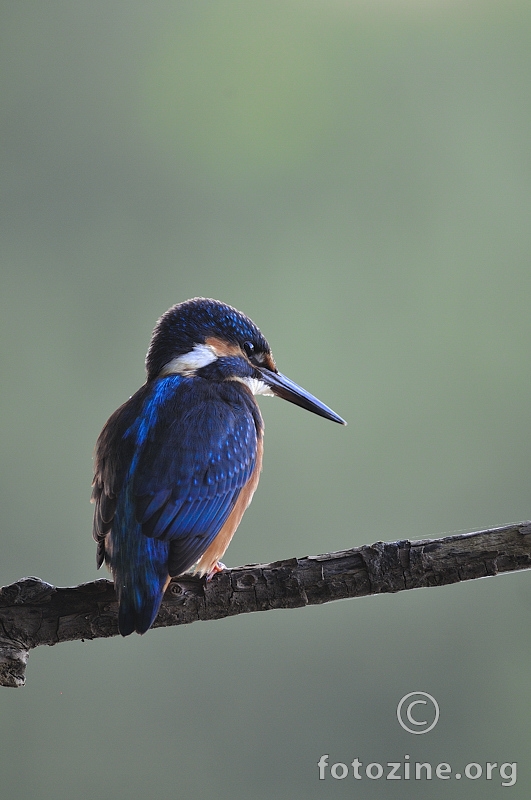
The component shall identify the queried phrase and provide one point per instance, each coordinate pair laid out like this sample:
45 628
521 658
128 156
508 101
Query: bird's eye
248 348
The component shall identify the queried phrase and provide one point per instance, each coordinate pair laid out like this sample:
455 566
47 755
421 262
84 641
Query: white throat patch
255 385
189 363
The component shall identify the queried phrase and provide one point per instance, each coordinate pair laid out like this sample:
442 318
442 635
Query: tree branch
33 612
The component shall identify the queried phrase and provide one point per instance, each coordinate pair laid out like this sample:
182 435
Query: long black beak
283 387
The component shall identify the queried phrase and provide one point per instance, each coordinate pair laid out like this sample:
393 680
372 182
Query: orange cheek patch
222 348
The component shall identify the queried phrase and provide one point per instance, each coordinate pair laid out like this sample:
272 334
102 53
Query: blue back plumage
139 564
170 465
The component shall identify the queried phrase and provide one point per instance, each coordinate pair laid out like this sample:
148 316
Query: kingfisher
176 465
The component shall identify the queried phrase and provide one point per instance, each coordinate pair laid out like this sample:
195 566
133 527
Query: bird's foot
219 566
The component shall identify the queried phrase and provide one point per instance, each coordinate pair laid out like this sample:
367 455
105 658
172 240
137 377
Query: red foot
219 566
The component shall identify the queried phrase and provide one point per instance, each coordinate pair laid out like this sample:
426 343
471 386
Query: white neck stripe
189 363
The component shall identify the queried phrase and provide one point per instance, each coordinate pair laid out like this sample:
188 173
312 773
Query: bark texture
34 613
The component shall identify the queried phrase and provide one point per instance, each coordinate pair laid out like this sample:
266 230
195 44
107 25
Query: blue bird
178 463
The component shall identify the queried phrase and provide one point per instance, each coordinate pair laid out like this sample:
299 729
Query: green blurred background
355 176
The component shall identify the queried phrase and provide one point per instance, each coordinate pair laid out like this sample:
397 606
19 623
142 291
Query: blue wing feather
197 458
170 464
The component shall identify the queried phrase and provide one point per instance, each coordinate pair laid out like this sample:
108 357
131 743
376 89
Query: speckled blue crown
190 323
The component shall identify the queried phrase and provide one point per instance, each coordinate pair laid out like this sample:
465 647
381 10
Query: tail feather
139 617
126 619
140 569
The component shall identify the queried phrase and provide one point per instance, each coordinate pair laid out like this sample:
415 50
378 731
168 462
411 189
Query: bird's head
212 340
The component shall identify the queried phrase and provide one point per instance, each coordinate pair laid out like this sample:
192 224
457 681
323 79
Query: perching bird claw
219 566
